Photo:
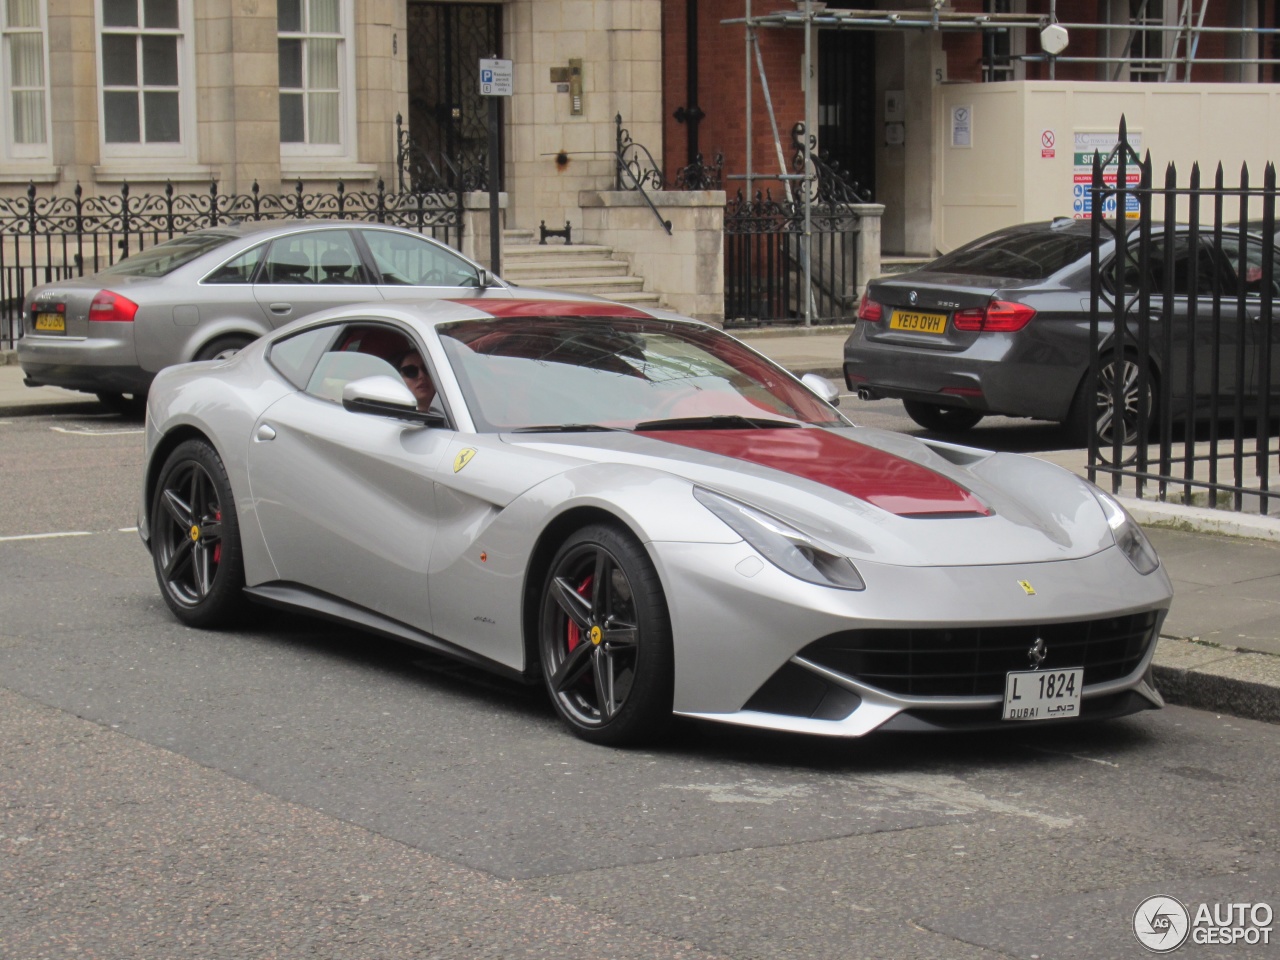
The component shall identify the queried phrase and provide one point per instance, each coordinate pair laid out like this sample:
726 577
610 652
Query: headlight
1133 543
783 545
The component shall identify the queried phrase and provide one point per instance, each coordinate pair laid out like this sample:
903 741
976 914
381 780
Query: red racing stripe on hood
888 481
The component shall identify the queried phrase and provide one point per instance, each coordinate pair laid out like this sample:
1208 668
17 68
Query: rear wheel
224 348
940 419
1098 414
195 538
605 638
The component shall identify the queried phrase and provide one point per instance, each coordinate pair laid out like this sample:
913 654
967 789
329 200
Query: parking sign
495 78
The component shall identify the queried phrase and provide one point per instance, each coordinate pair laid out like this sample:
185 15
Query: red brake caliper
217 547
575 636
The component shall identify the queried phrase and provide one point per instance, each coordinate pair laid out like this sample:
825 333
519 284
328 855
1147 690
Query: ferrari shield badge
463 458
1024 584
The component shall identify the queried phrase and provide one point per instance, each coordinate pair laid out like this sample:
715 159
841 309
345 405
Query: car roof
249 228
428 314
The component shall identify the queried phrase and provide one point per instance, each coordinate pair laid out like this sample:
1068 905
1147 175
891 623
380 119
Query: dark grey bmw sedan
1001 326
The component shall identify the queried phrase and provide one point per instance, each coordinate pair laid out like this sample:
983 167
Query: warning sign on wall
1086 144
1047 145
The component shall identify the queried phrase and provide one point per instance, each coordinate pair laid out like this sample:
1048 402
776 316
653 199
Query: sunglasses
411 371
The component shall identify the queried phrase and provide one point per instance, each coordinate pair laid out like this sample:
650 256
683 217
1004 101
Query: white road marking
745 791
49 536
1077 756
97 433
963 799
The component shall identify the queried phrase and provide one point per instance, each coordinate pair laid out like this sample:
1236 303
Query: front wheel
940 419
195 538
604 635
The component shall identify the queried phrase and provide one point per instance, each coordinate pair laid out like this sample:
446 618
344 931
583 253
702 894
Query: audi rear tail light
111 306
998 316
869 310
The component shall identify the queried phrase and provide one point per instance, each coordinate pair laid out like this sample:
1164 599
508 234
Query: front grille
973 661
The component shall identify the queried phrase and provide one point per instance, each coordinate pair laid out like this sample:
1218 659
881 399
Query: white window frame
344 149
1119 14
185 148
10 149
1017 67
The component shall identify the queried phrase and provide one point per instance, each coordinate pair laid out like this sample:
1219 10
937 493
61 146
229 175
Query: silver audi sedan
205 295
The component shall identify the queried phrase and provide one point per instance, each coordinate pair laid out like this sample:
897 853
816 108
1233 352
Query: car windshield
585 373
1019 255
166 257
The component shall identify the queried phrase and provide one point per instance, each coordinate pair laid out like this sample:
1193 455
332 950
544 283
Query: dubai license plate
51 323
1042 694
918 322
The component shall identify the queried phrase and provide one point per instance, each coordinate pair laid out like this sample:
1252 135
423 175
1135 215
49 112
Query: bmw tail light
869 310
111 306
998 316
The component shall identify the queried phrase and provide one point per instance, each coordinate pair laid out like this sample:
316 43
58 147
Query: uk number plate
51 323
1042 694
918 322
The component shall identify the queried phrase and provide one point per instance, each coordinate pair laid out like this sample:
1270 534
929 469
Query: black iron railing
43 239
786 259
635 169
1184 327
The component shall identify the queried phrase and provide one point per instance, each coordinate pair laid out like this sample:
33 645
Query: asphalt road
295 790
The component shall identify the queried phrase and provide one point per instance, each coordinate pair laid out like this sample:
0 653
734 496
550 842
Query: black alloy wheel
605 639
195 538
941 419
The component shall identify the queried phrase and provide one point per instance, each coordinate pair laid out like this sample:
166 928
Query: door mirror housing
385 396
823 387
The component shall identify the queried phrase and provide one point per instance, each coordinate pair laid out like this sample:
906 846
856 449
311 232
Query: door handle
280 307
265 432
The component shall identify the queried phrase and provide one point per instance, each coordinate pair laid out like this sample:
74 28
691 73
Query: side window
403 259
240 269
360 350
1204 274
321 256
1249 265
295 357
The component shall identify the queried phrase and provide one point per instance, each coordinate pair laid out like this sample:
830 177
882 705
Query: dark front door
846 103
448 119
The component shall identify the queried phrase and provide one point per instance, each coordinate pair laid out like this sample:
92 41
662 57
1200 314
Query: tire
940 419
125 404
604 638
1098 416
224 348
195 538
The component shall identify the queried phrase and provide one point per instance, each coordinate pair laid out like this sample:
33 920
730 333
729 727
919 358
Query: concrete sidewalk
1220 645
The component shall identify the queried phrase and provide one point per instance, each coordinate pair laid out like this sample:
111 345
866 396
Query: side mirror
822 387
382 396
484 279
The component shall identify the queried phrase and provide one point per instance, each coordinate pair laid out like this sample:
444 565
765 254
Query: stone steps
575 267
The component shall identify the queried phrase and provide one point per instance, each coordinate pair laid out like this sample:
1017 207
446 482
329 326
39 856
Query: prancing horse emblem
463 458
1037 653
